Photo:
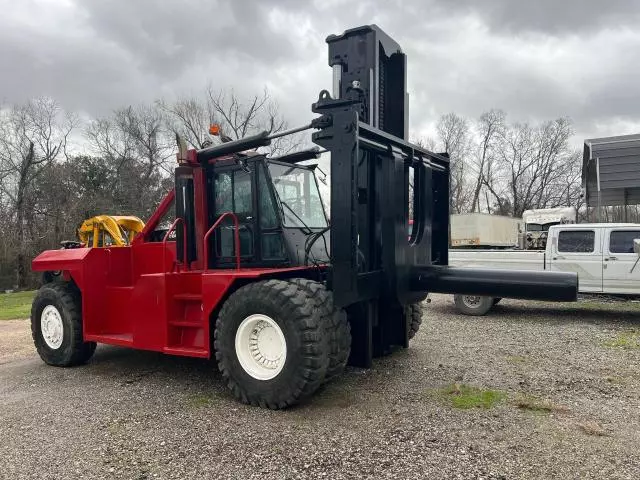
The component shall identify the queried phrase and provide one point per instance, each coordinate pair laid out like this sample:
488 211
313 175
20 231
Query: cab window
233 193
576 241
621 241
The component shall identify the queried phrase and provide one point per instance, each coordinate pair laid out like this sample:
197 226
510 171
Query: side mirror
636 246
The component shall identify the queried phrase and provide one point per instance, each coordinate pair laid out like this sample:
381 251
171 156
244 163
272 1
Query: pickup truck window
621 241
576 241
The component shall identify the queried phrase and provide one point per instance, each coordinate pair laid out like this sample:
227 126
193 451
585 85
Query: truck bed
501 259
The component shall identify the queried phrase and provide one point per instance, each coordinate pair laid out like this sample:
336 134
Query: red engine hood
62 259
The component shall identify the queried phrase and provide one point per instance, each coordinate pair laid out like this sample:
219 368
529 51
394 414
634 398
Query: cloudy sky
536 60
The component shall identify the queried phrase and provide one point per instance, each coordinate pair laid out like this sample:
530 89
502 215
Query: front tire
336 325
474 305
56 326
270 344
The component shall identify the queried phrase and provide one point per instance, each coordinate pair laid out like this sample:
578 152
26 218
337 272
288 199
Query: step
188 297
123 339
186 352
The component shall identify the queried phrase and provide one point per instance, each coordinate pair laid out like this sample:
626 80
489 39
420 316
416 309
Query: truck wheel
473 304
336 325
413 313
270 344
56 326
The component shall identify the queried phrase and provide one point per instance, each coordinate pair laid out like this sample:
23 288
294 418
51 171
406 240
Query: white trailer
484 230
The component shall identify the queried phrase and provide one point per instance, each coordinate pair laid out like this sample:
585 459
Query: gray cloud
536 60
548 16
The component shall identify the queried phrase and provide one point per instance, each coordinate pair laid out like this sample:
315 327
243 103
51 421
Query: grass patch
465 396
616 380
626 340
16 305
517 359
617 306
538 405
201 400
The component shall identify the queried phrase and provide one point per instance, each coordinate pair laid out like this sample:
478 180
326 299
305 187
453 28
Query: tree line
56 171
505 168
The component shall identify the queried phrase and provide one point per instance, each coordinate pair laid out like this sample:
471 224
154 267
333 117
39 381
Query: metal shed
611 171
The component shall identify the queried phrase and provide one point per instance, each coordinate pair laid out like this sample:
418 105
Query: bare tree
509 167
490 128
532 164
189 118
32 137
238 117
109 141
133 134
145 127
454 139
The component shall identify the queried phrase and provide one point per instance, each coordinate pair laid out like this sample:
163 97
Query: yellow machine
109 231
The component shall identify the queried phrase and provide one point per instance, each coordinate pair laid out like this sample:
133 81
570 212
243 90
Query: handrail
234 217
184 243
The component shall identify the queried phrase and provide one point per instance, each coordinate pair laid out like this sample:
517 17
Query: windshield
536 227
298 191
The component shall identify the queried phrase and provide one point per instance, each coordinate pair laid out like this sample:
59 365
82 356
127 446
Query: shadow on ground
615 313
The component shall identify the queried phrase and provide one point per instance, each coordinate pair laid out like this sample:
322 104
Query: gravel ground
139 415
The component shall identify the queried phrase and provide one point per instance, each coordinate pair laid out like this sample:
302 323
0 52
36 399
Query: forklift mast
372 164
377 176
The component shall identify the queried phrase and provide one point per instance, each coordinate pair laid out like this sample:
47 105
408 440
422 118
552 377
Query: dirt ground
562 384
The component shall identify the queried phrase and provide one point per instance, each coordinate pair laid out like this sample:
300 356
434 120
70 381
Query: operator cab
282 221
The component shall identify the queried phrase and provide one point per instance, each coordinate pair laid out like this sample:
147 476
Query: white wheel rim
260 347
471 301
51 327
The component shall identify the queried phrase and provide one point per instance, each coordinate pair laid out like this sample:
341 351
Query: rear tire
336 325
475 305
56 326
413 313
270 344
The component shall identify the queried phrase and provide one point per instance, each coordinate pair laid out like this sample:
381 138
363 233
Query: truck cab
280 213
537 223
602 255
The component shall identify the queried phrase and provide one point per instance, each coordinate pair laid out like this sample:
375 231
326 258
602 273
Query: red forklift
240 261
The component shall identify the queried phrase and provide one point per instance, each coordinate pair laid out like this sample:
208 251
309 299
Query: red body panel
130 298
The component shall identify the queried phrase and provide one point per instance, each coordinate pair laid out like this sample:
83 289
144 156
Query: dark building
611 172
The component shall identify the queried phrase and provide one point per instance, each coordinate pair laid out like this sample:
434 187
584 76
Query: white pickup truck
602 254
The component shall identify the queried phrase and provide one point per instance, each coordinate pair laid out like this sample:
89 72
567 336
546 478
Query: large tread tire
307 357
336 325
413 313
66 300
473 305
